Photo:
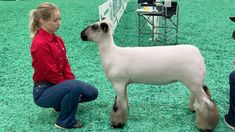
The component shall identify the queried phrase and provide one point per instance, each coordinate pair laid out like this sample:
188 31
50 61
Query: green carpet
204 24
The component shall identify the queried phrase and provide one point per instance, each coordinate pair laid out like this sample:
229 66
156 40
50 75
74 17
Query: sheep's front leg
191 102
119 112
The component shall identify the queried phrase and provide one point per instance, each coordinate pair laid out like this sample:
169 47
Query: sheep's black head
97 31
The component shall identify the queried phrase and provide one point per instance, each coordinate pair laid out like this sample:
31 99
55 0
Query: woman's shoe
227 123
78 125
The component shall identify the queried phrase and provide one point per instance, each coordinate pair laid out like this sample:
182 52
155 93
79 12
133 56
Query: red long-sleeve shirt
49 58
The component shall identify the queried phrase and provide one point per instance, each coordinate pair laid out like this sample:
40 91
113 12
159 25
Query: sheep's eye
94 27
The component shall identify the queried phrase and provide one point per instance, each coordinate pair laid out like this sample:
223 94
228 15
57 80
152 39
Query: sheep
158 65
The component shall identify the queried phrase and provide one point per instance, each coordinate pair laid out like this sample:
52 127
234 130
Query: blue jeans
230 117
65 97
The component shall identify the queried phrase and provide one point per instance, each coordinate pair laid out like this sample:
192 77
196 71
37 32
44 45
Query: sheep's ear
105 27
103 18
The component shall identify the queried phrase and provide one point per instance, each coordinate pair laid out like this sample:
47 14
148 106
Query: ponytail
33 23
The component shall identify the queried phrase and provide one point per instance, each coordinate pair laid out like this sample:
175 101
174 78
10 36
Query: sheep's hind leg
119 113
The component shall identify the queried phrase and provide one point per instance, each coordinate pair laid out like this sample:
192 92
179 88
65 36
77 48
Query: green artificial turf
204 24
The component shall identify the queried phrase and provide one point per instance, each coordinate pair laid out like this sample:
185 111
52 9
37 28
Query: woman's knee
74 86
85 89
93 93
89 92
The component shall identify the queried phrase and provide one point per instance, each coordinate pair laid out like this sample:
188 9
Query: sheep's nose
83 36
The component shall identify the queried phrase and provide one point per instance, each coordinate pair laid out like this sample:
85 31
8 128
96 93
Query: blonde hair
45 12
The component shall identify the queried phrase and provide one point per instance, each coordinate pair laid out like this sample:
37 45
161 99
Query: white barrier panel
104 10
113 10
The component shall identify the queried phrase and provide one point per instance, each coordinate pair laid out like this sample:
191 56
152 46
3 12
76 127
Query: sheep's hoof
205 130
118 125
